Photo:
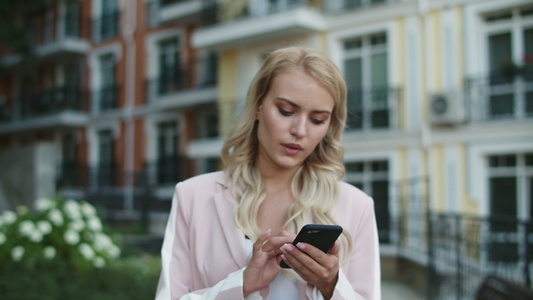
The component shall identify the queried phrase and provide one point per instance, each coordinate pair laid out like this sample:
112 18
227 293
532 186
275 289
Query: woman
228 231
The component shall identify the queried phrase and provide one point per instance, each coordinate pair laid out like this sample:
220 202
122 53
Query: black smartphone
321 236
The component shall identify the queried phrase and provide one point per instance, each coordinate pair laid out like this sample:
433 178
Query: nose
298 127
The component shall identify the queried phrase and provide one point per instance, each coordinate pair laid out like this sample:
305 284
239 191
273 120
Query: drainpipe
129 136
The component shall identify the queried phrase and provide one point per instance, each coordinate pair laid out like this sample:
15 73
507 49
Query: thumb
335 249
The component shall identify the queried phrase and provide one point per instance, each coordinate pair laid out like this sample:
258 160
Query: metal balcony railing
334 7
52 101
45 31
463 250
370 109
196 75
161 172
105 99
6 111
500 96
215 12
166 170
79 176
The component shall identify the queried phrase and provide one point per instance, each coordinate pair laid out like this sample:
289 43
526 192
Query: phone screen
321 236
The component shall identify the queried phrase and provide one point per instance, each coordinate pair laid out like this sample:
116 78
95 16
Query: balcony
56 107
372 109
194 84
254 21
166 171
341 6
500 97
58 39
106 27
163 11
105 99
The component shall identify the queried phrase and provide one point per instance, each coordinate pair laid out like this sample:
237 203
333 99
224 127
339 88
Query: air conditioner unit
447 108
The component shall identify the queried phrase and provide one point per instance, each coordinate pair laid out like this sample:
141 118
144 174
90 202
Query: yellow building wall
227 89
399 47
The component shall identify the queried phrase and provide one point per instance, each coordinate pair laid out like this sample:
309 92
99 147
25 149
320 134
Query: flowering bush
65 232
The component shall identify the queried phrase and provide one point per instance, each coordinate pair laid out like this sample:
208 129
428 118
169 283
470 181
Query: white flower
49 252
17 253
102 242
98 262
9 217
2 238
87 209
72 209
71 237
26 228
43 204
113 251
86 251
77 225
44 226
94 224
55 216
36 236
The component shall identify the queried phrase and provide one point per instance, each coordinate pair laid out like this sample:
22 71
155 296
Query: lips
292 149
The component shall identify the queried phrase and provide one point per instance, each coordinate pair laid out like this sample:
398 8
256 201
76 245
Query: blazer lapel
224 204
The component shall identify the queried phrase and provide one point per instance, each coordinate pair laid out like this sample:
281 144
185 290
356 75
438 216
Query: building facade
140 93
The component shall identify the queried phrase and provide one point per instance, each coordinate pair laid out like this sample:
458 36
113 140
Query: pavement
391 290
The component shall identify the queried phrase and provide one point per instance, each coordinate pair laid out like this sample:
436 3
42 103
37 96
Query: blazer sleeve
176 278
361 278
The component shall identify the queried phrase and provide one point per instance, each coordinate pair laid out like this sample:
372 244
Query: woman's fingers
275 242
311 263
261 240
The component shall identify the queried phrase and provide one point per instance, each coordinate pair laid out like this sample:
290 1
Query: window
169 163
170 72
365 68
106 24
106 161
373 178
510 61
71 25
70 169
510 196
207 122
71 97
107 96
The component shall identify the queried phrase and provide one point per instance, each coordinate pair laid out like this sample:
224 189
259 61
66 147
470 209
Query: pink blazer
204 254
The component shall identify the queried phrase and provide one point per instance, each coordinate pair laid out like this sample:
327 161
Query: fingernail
300 246
285 248
267 232
283 256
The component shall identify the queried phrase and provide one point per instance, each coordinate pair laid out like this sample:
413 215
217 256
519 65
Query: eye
317 121
285 112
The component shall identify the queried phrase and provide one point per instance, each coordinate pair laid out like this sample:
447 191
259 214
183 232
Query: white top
282 287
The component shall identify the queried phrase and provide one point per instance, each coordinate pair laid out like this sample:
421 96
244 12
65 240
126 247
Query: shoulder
201 186
351 197
204 179
351 193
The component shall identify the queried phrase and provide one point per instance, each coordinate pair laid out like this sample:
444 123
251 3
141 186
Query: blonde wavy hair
314 186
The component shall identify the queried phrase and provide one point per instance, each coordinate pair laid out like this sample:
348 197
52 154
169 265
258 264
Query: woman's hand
314 266
262 268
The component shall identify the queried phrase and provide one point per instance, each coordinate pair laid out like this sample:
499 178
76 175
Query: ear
258 111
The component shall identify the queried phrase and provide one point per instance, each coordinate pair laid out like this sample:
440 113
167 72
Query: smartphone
321 236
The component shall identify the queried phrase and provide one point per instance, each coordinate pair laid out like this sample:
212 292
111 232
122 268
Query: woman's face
293 118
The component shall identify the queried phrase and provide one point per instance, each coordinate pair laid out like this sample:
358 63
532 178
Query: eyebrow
298 106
